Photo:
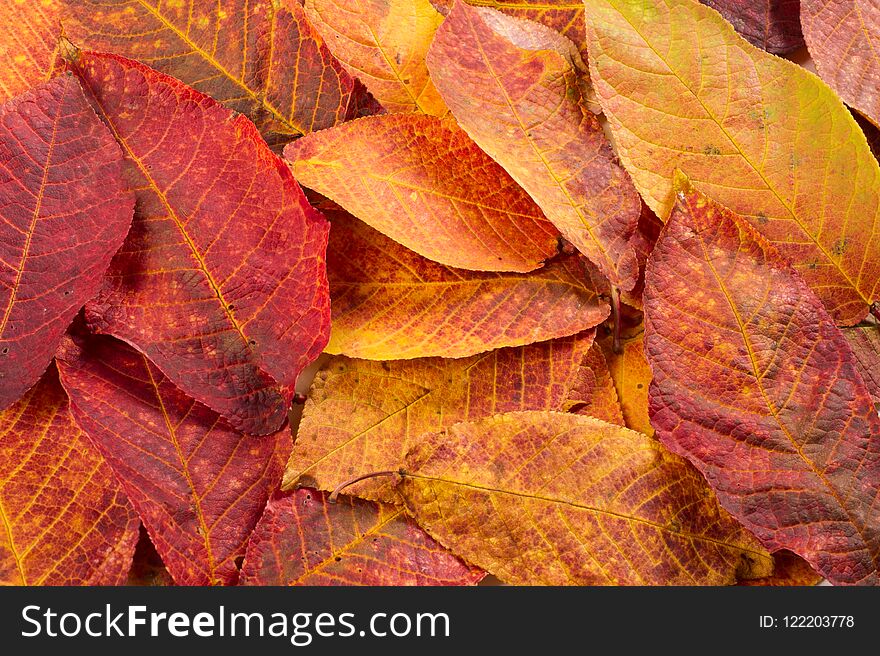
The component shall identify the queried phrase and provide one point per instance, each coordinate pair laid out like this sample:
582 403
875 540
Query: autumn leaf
28 46
390 303
514 87
67 521
65 209
631 374
843 37
865 344
543 498
221 281
788 569
754 132
364 416
303 539
757 387
426 185
261 58
147 568
592 392
214 481
383 43
772 25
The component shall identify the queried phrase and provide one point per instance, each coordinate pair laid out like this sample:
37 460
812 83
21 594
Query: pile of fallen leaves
595 286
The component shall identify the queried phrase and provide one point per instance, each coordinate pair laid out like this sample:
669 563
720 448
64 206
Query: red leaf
66 520
755 385
222 280
303 539
198 485
64 212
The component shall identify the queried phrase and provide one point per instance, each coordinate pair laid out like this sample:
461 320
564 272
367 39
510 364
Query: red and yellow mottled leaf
65 520
303 539
258 57
788 569
843 37
632 377
592 392
865 344
562 499
755 385
383 43
28 38
426 185
65 209
514 86
390 303
364 416
198 485
758 134
221 281
772 25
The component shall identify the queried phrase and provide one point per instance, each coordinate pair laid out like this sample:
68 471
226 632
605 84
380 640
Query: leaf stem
351 481
615 317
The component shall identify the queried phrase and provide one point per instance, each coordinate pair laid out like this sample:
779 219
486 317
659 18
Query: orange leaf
426 185
758 134
632 376
515 87
755 385
66 520
303 539
843 37
592 392
364 416
27 54
198 485
543 498
389 303
383 43
261 57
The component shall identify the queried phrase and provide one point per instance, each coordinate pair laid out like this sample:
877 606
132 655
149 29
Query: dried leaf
426 185
67 520
364 416
561 499
843 37
592 392
198 485
754 132
757 387
65 209
772 25
383 42
514 87
788 569
632 377
27 48
260 57
865 344
221 281
303 539
390 303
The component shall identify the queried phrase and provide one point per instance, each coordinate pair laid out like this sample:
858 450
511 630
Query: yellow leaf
544 498
754 132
